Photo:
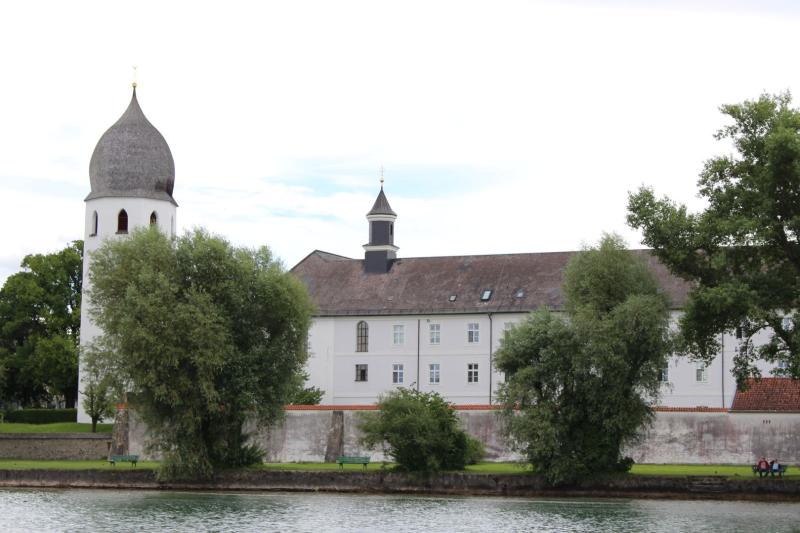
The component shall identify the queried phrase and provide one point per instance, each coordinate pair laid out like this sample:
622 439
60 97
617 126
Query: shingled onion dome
132 160
381 206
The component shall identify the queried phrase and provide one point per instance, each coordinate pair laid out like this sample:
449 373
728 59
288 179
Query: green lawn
312 467
482 468
703 470
59 427
521 468
499 468
21 464
487 468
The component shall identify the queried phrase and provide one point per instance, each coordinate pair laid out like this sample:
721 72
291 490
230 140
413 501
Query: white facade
105 211
691 384
333 358
453 342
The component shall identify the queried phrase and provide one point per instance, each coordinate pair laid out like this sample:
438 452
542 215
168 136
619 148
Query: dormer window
520 293
486 295
122 221
453 298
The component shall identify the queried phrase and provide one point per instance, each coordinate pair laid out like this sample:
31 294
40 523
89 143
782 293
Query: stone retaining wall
721 437
55 446
394 482
686 437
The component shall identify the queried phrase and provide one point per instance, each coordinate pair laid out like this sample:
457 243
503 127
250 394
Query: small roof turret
132 159
381 206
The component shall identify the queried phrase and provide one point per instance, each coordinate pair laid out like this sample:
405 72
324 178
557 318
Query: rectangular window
435 331
433 373
399 335
783 365
472 373
701 373
663 374
473 332
397 373
361 372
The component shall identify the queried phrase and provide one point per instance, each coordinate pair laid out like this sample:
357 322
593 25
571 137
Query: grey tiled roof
132 159
381 206
423 285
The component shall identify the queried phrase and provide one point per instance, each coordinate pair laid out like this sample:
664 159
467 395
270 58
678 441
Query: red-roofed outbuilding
769 394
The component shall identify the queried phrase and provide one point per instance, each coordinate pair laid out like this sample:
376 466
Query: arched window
122 221
94 225
153 218
362 336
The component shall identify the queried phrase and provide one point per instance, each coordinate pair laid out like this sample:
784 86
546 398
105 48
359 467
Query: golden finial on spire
381 176
134 76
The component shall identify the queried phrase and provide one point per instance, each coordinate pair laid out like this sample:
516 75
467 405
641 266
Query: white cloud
279 114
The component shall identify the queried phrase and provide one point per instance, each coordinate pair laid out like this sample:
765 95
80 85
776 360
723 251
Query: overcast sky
502 126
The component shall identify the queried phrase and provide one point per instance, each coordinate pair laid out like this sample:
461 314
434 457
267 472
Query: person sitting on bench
776 467
763 467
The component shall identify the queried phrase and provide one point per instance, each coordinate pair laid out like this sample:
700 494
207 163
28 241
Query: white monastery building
432 323
132 176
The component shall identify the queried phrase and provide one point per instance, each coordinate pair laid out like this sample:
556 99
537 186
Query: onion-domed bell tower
380 251
132 175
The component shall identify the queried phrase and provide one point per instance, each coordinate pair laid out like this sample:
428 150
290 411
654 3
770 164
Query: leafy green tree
301 395
579 385
421 431
40 327
205 335
741 253
98 398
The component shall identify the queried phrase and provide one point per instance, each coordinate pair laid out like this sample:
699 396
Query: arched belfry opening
122 221
94 225
153 218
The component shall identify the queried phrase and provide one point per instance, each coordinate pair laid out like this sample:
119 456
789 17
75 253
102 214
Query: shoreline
388 482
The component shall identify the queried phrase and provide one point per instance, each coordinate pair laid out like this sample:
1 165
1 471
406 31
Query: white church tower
132 175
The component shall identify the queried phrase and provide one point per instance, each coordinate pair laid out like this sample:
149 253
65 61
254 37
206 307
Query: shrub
475 450
420 431
41 416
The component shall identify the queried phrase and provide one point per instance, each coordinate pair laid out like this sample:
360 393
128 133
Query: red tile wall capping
375 407
769 394
700 409
485 408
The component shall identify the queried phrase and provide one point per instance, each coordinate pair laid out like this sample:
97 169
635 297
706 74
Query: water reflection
88 510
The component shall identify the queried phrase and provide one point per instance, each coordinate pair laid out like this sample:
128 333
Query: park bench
352 460
781 470
114 459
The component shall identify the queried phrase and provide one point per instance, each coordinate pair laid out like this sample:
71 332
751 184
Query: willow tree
580 383
205 337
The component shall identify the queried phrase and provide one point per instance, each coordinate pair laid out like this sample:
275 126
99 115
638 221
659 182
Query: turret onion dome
381 206
132 159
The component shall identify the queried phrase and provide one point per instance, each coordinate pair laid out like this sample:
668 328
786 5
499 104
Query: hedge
41 416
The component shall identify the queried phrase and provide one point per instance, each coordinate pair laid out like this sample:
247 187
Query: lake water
96 510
